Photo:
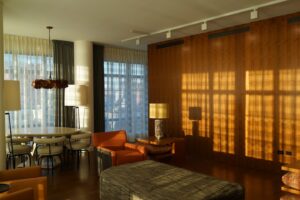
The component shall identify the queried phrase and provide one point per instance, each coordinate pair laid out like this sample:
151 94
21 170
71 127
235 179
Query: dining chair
49 148
18 147
79 143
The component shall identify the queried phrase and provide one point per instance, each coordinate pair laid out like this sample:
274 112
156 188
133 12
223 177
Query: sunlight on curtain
224 111
289 113
195 93
259 114
126 94
26 59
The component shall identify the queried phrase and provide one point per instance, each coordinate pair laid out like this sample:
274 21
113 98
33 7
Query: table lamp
158 111
195 116
11 102
75 96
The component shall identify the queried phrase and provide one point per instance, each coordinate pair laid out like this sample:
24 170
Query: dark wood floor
71 183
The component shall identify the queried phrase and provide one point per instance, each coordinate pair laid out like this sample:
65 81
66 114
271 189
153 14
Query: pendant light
49 84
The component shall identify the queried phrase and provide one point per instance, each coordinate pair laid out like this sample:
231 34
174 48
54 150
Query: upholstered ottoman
150 180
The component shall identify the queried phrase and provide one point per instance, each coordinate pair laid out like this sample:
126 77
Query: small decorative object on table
165 147
158 111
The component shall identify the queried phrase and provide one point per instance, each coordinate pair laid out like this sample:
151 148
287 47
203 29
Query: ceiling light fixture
168 34
49 84
254 14
204 26
202 21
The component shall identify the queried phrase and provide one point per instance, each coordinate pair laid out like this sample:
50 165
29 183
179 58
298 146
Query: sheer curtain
125 85
26 59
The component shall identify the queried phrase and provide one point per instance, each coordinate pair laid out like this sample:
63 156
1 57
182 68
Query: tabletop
44 131
154 141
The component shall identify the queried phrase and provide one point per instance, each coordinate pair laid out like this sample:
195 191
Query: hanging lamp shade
49 83
11 97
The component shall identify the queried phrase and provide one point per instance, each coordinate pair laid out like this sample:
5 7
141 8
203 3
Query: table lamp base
158 129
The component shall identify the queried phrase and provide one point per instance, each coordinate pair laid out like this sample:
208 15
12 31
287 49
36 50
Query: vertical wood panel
165 84
177 76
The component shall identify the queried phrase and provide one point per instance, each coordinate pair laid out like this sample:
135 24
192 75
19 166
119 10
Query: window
126 103
26 59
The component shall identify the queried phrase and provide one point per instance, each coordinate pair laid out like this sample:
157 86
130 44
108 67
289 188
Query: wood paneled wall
212 70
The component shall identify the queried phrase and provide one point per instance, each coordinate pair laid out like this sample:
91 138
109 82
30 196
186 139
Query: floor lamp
76 96
159 112
11 102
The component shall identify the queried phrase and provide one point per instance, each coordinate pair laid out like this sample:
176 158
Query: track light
168 35
137 41
203 22
254 14
204 26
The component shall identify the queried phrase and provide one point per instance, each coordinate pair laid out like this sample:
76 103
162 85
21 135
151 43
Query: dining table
50 131
44 132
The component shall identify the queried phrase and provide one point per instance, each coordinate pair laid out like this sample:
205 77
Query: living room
150 100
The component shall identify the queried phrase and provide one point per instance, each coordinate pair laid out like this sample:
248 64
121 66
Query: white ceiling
110 21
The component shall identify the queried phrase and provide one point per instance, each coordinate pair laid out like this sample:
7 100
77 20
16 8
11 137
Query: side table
291 178
165 147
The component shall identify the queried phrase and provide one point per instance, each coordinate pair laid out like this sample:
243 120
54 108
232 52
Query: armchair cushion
140 148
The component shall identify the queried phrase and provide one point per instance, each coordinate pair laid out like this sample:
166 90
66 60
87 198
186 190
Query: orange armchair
114 144
26 183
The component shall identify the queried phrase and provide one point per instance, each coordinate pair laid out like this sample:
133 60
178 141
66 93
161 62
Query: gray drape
98 73
63 55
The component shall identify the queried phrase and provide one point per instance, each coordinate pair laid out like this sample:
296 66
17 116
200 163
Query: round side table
4 187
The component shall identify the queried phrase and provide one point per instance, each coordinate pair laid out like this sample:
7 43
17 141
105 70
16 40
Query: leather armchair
113 147
25 183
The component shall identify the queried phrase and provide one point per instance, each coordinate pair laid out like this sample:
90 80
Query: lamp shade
11 95
158 111
194 113
76 95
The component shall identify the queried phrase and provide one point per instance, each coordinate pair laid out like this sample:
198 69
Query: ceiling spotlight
254 14
204 26
137 41
168 34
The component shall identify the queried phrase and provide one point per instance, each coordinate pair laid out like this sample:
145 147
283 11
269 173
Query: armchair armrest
107 151
38 184
20 173
130 145
142 149
24 194
105 158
